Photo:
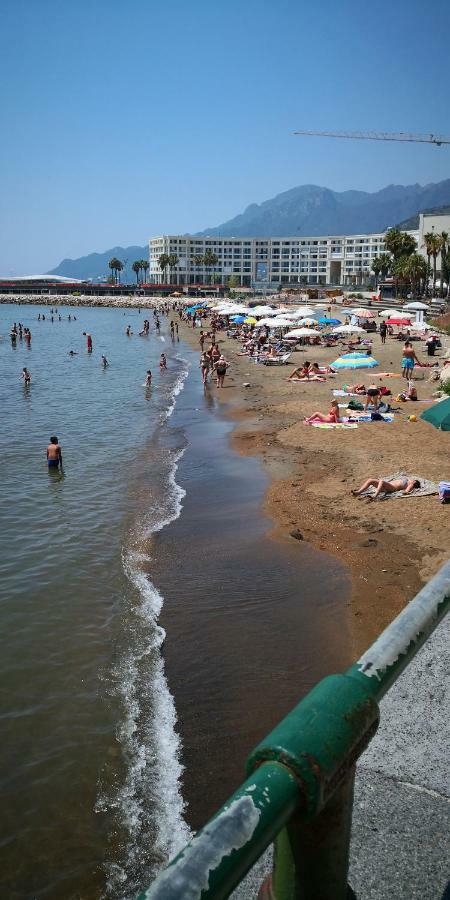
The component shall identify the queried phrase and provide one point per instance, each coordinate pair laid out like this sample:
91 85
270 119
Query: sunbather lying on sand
387 487
331 418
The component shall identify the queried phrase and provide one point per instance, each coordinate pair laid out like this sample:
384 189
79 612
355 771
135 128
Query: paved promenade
401 815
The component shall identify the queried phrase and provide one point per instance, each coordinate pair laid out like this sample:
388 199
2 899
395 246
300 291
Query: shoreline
388 548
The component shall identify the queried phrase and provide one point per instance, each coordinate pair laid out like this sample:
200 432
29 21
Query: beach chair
277 361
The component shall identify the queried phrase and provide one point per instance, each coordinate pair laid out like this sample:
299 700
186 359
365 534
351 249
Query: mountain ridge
306 210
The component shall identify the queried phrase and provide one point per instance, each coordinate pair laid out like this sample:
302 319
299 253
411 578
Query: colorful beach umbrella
360 362
362 313
250 320
398 321
238 319
308 321
325 321
438 415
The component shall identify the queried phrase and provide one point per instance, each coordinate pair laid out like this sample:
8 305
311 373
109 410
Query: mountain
96 264
306 210
311 210
412 223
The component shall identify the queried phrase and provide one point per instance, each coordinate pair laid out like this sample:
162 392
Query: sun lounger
277 361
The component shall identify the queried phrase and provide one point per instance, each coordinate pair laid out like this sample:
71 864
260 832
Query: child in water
162 361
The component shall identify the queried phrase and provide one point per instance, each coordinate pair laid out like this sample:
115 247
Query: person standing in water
27 336
88 341
54 454
105 362
148 379
26 376
162 361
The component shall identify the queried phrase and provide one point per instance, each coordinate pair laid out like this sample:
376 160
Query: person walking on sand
88 341
383 331
54 454
221 367
407 485
26 377
408 359
205 365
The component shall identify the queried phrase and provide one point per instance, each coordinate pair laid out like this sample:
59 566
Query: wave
148 805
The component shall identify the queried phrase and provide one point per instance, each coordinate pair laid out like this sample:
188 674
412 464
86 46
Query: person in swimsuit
88 341
301 372
331 418
408 360
205 366
105 362
372 396
407 485
148 378
54 455
221 367
383 331
162 361
26 376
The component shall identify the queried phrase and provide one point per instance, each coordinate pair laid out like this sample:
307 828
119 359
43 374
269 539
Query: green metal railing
299 790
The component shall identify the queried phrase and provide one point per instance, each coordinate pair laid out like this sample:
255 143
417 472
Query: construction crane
436 139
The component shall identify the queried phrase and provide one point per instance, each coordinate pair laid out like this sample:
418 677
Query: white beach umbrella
348 329
267 322
303 332
263 311
421 326
303 311
281 321
416 305
390 312
307 321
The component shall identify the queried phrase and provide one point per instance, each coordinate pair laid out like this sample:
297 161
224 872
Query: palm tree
115 265
198 260
163 262
136 269
399 243
400 269
415 268
172 262
443 248
145 265
210 260
119 267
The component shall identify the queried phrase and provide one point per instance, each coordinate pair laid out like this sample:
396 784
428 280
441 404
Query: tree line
411 269
169 260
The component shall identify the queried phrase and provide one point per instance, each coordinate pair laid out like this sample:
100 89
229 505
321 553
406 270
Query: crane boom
380 136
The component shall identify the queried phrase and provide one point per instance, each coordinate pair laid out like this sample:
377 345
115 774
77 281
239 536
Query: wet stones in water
296 533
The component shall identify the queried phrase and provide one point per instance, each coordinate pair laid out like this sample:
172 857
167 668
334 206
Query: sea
152 629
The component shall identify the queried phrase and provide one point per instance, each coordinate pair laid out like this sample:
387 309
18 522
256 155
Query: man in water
54 455
105 362
88 341
148 379
26 376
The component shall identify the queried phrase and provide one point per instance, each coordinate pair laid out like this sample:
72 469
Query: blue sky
126 119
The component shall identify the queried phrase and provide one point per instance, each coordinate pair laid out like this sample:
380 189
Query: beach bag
444 491
354 404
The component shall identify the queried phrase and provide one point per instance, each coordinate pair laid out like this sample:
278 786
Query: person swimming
54 454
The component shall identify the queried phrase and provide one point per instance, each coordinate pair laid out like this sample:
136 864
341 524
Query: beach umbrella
325 321
308 321
421 326
416 305
355 354
390 312
250 320
348 329
238 319
303 311
282 322
303 332
359 362
398 321
438 415
362 313
267 322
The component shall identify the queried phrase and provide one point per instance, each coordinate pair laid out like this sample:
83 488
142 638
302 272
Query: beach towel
368 417
343 394
329 425
444 491
427 488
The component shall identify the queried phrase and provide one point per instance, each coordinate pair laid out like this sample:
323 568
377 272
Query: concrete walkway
401 815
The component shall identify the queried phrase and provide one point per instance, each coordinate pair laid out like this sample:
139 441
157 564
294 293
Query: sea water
151 631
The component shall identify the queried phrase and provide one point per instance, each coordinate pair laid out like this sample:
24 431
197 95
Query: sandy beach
390 547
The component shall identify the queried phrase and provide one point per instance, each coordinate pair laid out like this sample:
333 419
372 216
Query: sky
123 120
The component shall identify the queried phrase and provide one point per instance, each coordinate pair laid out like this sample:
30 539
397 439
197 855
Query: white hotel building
268 262
264 262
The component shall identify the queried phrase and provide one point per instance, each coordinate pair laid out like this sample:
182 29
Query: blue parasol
358 362
325 321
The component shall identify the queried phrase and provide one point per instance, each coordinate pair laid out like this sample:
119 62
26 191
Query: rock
246 384
297 535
